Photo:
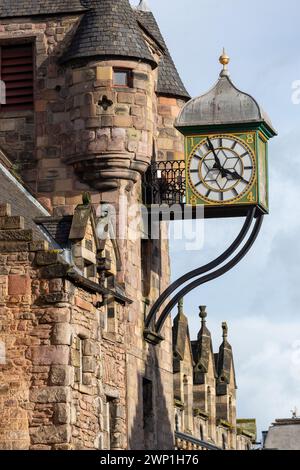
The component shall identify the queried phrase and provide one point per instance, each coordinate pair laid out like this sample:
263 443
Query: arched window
224 442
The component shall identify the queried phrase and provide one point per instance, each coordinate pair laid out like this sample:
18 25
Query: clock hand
212 149
234 174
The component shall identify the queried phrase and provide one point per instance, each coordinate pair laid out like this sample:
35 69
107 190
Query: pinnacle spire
225 330
203 314
180 307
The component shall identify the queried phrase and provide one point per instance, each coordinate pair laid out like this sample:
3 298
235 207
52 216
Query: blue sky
260 299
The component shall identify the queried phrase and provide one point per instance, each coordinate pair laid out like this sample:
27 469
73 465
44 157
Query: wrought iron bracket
155 320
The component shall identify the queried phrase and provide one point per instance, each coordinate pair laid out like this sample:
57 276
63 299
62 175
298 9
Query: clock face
221 169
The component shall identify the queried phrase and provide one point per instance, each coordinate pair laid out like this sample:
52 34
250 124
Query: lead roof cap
223 104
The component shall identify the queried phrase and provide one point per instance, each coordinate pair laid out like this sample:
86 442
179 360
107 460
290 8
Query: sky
260 298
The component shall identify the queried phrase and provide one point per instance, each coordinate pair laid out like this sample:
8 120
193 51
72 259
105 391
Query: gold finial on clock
224 60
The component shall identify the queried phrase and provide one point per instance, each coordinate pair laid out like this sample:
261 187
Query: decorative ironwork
153 335
164 183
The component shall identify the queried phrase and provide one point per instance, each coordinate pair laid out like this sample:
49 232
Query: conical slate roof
223 104
108 29
169 81
38 7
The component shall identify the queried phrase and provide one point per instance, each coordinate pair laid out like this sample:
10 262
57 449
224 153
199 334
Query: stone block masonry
43 405
74 372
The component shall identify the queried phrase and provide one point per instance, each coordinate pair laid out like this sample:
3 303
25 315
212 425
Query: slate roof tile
11 8
109 29
169 81
22 202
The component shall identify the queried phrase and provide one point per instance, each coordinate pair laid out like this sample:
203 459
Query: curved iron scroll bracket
152 332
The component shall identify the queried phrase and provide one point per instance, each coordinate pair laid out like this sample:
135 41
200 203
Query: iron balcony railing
187 442
164 183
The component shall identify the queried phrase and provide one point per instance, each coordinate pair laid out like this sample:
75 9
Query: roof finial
225 330
224 60
203 313
180 307
143 6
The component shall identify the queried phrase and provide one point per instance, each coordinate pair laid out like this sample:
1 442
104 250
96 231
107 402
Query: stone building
283 434
91 98
205 388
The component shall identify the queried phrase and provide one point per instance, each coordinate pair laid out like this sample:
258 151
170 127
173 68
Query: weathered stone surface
89 364
65 126
18 285
61 413
56 315
50 355
54 271
13 246
5 210
44 258
60 375
3 388
50 434
53 298
12 222
89 347
50 395
39 246
16 235
61 334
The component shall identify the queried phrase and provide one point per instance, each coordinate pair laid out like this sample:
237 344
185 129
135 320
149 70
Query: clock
221 169
226 151
227 171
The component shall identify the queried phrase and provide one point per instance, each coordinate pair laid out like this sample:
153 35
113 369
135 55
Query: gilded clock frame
249 188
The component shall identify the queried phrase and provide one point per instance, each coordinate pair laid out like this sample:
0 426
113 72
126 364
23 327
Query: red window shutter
16 71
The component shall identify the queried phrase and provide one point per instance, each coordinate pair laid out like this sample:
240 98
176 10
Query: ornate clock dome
224 104
226 157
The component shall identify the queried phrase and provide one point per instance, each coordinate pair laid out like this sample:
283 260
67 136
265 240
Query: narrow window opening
146 251
122 78
201 432
110 418
77 359
224 444
148 416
